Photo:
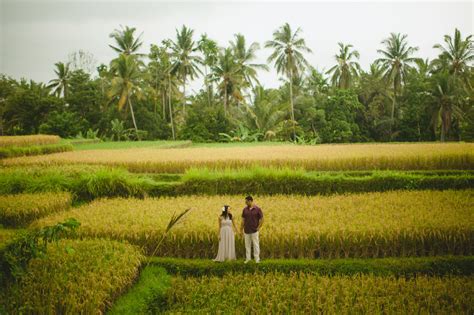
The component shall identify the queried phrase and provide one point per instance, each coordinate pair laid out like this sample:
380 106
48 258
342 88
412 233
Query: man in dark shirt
252 220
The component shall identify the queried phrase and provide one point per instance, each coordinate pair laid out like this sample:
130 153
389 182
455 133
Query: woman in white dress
226 236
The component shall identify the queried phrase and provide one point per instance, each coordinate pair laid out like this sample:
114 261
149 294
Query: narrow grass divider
8 152
259 180
150 291
441 265
88 182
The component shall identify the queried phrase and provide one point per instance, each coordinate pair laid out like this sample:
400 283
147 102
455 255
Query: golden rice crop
6 234
21 209
406 156
9 141
84 281
396 223
300 293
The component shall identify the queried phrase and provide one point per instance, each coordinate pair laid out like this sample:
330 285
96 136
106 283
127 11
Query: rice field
84 280
330 157
301 229
388 224
10 141
300 293
21 209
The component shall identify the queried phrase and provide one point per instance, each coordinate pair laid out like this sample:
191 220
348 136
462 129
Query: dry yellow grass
9 141
322 157
398 223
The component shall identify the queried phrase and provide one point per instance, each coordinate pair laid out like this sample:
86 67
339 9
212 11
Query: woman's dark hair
225 213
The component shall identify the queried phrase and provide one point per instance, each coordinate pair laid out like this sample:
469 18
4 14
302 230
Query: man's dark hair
249 198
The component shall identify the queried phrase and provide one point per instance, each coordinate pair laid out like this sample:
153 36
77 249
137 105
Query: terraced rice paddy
397 223
321 157
418 216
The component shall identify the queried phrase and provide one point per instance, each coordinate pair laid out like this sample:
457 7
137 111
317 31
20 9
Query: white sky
36 34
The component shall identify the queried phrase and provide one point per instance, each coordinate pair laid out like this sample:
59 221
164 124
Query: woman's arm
235 228
219 228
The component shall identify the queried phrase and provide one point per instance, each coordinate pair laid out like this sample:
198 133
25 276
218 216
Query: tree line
137 96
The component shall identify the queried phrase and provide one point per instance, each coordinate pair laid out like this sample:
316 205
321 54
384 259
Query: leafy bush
65 124
29 244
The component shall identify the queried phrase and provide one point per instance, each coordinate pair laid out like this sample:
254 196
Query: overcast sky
36 34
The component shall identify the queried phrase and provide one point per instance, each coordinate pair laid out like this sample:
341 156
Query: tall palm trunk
392 112
225 98
291 103
184 94
171 109
163 99
445 122
133 118
208 86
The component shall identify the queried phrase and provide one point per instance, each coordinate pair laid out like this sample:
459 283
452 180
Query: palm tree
125 40
315 83
346 68
266 113
397 60
288 49
245 56
126 83
185 62
61 83
445 95
456 56
458 52
210 51
227 72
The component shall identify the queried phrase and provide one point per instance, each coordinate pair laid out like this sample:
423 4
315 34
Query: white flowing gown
227 243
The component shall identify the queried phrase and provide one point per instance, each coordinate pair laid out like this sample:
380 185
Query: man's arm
242 225
260 222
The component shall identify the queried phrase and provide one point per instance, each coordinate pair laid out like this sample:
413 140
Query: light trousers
252 239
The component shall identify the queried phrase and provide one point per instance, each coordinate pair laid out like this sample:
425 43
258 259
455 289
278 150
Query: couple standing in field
252 220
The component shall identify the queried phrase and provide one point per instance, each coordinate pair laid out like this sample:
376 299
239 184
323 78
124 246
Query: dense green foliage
138 95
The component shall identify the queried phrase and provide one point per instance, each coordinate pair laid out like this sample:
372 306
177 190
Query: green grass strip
87 182
34 150
439 265
150 290
259 180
